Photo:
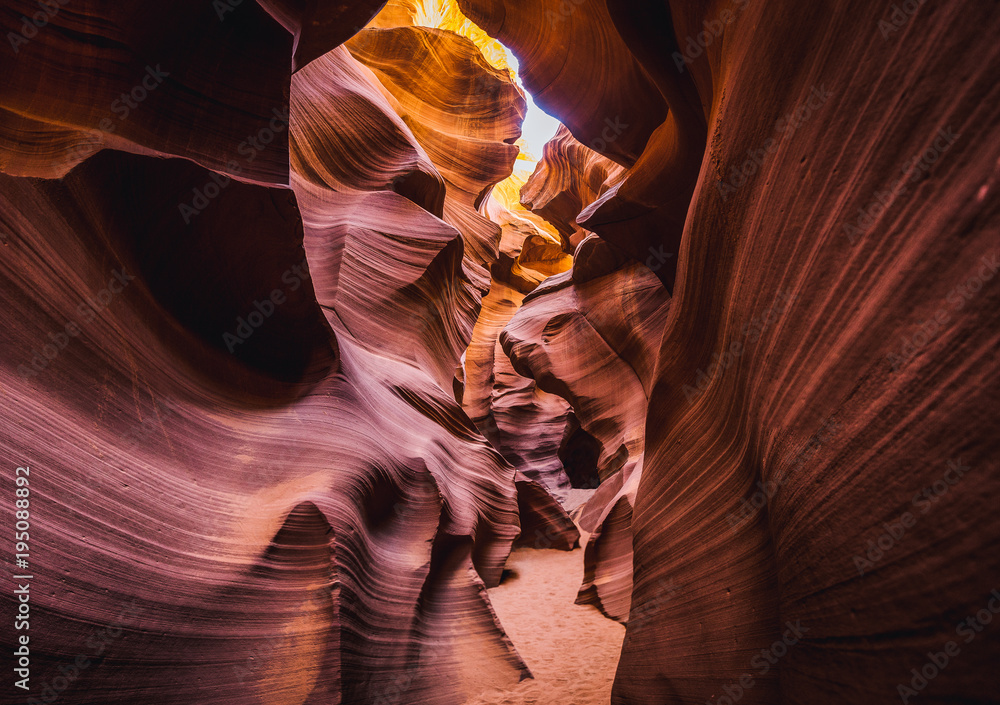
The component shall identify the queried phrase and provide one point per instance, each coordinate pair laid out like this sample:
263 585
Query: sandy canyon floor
572 650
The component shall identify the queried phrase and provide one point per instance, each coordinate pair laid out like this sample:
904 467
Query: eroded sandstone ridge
587 337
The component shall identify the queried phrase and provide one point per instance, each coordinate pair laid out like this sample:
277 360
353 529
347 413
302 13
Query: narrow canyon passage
496 352
571 649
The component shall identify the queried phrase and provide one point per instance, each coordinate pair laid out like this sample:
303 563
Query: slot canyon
500 352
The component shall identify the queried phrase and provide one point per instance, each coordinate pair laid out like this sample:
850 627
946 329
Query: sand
572 650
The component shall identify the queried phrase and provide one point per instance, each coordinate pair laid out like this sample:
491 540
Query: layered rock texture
593 342
820 440
573 366
233 334
289 374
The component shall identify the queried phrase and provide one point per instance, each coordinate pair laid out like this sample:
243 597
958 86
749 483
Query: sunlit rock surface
612 90
526 424
593 343
589 338
569 178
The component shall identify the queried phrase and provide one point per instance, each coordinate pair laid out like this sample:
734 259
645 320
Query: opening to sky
539 127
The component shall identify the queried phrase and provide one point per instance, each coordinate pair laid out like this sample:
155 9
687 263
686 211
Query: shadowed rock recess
294 355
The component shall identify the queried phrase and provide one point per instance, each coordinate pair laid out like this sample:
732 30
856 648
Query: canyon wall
813 522
236 298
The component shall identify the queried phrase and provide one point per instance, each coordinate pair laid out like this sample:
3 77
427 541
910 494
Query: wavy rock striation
568 178
527 425
592 341
829 197
172 80
237 299
586 339
218 432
